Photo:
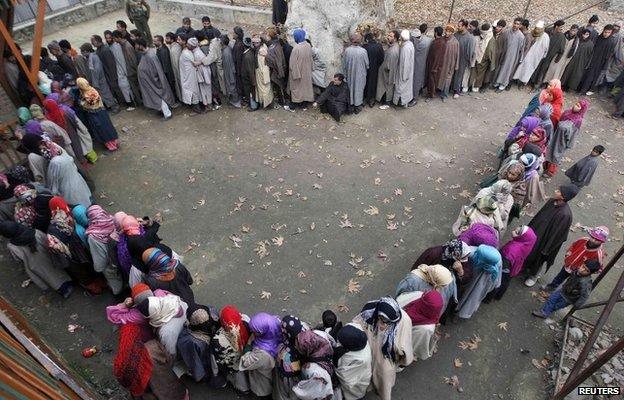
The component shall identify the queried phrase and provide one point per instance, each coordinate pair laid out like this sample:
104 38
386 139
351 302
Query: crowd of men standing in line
202 69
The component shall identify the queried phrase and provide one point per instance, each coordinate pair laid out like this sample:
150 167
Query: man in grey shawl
467 56
132 63
421 48
155 88
98 77
513 53
388 69
355 64
582 172
109 66
615 65
175 50
122 75
404 79
229 73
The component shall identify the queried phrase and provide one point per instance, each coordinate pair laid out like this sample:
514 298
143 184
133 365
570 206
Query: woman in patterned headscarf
168 274
69 249
389 332
287 372
101 125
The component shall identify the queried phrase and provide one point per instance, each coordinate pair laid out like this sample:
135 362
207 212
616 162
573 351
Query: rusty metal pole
451 12
526 9
591 368
616 257
604 315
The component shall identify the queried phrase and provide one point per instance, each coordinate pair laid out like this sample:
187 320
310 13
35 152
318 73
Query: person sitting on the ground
335 98
582 172
583 249
575 291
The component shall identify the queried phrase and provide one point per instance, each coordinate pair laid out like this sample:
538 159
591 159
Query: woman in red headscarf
425 312
553 95
229 343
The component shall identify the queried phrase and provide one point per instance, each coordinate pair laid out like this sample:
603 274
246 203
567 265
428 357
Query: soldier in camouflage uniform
138 12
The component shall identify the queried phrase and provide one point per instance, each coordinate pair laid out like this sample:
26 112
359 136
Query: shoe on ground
412 103
384 107
475 90
498 90
287 108
530 281
590 93
539 314
456 96
465 90
130 108
167 118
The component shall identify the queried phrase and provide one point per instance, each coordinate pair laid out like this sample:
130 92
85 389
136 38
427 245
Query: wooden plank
36 51
20 60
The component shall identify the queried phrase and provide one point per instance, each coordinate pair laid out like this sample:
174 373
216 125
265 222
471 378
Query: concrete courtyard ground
285 184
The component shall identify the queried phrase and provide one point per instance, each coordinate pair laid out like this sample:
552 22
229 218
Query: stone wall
328 23
217 11
54 22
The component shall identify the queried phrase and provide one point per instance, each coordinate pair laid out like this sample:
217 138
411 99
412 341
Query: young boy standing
582 250
575 290
582 172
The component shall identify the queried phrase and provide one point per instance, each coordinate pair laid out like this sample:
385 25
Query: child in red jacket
582 250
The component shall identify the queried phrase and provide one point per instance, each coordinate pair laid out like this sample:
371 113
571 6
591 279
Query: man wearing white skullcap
534 56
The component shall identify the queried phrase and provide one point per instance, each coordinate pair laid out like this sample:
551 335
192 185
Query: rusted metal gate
28 368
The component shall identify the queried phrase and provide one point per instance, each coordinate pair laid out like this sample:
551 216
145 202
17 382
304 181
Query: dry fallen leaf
353 286
342 308
398 192
392 226
453 381
372 210
458 363
312 226
345 223
245 229
278 241
471 344
503 326
328 263
537 364
261 249
303 291
377 181
236 241
301 274
265 295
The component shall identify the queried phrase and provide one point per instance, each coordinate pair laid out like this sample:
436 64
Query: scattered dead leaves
372 210
265 295
353 286
472 344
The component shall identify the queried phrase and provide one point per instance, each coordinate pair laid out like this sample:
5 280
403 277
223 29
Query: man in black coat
551 226
375 53
162 52
110 67
604 46
335 99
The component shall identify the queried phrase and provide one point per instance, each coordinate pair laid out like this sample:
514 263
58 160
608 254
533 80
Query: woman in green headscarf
484 210
24 115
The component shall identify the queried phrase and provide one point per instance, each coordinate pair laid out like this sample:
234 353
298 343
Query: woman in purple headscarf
260 361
